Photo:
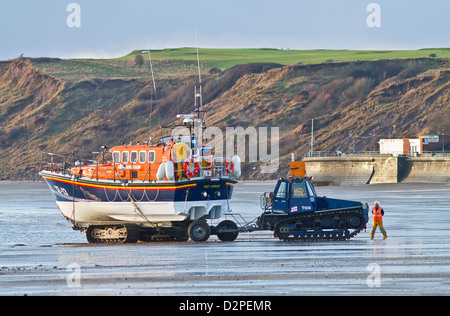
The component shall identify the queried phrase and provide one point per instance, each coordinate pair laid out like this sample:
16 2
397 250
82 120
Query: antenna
151 67
198 59
198 96
200 121
154 89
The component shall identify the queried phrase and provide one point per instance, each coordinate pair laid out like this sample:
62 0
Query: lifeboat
135 192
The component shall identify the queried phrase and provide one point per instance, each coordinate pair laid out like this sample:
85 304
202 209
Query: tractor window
298 190
282 189
311 190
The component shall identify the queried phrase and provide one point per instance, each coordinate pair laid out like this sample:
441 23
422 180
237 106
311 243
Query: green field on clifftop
226 58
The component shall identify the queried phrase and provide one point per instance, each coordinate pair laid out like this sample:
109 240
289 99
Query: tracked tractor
295 212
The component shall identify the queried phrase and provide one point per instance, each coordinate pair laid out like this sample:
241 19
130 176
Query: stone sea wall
372 170
427 170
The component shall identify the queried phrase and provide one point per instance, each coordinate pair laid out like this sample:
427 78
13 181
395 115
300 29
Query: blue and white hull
86 202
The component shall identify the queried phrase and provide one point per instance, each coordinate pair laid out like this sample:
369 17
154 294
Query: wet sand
414 260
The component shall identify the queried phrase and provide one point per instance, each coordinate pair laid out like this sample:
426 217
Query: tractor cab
294 195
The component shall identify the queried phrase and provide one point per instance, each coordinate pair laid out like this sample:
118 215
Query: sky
112 28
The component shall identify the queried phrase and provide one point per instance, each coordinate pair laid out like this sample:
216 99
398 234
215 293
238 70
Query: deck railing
53 162
209 166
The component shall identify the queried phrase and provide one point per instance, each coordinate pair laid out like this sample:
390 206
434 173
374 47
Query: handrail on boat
209 166
56 162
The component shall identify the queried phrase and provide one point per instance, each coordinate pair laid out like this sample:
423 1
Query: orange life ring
229 165
188 170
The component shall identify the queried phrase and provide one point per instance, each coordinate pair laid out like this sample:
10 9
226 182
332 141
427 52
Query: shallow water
40 254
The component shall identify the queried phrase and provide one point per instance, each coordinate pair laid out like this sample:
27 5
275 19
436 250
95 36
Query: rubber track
316 236
132 235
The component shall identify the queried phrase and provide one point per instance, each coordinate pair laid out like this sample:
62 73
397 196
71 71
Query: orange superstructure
132 162
146 163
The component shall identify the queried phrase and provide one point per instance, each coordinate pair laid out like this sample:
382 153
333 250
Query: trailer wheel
199 231
227 236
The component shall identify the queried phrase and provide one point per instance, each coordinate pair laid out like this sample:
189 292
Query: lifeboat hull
86 202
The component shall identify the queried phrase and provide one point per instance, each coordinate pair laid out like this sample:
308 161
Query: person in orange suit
378 213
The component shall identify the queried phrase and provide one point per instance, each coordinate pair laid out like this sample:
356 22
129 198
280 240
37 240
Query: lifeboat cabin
172 161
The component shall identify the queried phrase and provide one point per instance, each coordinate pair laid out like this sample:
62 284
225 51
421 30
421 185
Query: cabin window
116 156
282 190
142 156
125 156
134 157
311 190
298 189
151 156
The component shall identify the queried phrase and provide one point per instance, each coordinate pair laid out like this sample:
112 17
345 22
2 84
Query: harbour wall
373 170
427 170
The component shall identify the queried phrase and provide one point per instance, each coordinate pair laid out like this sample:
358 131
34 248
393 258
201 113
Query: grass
84 69
182 62
226 58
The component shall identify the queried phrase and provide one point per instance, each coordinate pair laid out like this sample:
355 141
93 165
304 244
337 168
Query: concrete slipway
41 255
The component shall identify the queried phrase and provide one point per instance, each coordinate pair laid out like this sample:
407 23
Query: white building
405 146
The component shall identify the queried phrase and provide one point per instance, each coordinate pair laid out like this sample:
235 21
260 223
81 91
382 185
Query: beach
41 255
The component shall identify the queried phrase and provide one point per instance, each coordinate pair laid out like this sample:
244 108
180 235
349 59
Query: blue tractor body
294 211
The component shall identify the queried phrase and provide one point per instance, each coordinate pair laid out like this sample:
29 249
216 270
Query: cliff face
350 103
24 95
40 113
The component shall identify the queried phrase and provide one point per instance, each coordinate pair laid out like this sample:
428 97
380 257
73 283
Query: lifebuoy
229 165
191 168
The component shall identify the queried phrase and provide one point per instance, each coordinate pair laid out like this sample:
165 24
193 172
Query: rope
139 212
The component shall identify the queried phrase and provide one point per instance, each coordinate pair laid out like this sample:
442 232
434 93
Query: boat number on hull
61 190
